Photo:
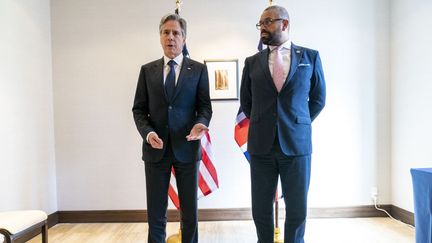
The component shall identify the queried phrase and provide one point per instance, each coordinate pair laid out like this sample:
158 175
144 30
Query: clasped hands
196 133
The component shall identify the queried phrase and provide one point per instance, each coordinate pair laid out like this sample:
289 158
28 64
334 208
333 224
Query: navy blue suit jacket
154 112
290 112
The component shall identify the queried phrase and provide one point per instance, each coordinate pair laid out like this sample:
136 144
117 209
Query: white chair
15 225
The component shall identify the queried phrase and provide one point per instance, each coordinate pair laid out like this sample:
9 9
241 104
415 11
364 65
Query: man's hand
197 132
155 141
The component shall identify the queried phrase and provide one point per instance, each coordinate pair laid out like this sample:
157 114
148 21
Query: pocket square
304 65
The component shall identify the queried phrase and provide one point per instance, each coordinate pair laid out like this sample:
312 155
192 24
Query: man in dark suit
172 111
282 92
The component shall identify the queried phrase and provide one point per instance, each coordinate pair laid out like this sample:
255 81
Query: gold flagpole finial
270 2
178 2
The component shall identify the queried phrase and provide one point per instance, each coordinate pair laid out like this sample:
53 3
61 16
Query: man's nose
170 36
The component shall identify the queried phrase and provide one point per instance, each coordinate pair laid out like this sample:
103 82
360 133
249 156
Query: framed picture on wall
223 79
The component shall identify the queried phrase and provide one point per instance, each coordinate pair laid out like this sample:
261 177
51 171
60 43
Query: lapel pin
189 68
297 51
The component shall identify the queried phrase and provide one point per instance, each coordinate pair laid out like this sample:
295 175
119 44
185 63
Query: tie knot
171 63
278 48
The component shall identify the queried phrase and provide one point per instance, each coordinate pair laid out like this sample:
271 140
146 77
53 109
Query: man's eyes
175 33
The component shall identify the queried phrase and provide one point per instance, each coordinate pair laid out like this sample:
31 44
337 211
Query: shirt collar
286 45
178 59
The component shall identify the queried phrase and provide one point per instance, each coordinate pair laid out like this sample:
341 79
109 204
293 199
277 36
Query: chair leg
45 232
7 237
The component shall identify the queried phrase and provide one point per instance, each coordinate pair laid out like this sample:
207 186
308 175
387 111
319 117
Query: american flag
207 177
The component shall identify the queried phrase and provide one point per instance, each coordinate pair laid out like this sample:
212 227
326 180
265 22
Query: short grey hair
174 17
281 12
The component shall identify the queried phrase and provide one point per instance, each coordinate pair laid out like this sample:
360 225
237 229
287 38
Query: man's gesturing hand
197 132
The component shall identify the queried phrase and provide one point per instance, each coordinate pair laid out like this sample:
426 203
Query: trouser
157 183
294 172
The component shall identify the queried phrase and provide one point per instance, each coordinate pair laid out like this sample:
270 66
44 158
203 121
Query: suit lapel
263 57
296 54
157 77
185 71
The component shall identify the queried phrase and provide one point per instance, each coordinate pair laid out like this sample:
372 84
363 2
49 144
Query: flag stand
175 238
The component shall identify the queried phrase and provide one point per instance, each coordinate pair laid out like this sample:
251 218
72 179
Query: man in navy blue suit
282 92
172 111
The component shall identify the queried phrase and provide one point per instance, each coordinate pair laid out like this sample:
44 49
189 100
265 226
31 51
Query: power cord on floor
382 210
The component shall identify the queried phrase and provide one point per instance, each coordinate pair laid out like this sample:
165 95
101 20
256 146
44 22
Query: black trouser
157 183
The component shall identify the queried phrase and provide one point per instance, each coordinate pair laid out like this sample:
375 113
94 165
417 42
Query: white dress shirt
178 60
286 56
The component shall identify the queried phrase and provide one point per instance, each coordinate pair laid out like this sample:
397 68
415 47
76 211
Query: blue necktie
170 80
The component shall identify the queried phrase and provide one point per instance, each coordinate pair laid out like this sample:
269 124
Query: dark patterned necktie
170 80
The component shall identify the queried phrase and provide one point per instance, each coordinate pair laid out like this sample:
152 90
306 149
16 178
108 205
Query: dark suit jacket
190 105
290 112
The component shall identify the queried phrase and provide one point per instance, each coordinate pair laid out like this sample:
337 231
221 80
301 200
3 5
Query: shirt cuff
148 134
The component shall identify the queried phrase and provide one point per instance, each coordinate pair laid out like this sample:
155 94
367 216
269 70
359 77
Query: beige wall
27 161
411 99
98 47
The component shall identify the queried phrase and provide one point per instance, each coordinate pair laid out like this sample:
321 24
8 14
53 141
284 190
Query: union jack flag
242 124
207 177
241 133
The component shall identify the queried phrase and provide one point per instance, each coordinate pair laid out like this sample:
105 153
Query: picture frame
223 79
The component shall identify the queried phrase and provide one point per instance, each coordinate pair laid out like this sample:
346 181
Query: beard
270 39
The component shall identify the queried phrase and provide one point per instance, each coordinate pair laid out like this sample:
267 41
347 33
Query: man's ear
285 24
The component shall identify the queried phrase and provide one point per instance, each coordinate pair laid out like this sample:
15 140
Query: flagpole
177 11
276 207
277 229
176 238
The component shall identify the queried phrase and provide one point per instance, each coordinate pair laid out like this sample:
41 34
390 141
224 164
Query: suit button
170 107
